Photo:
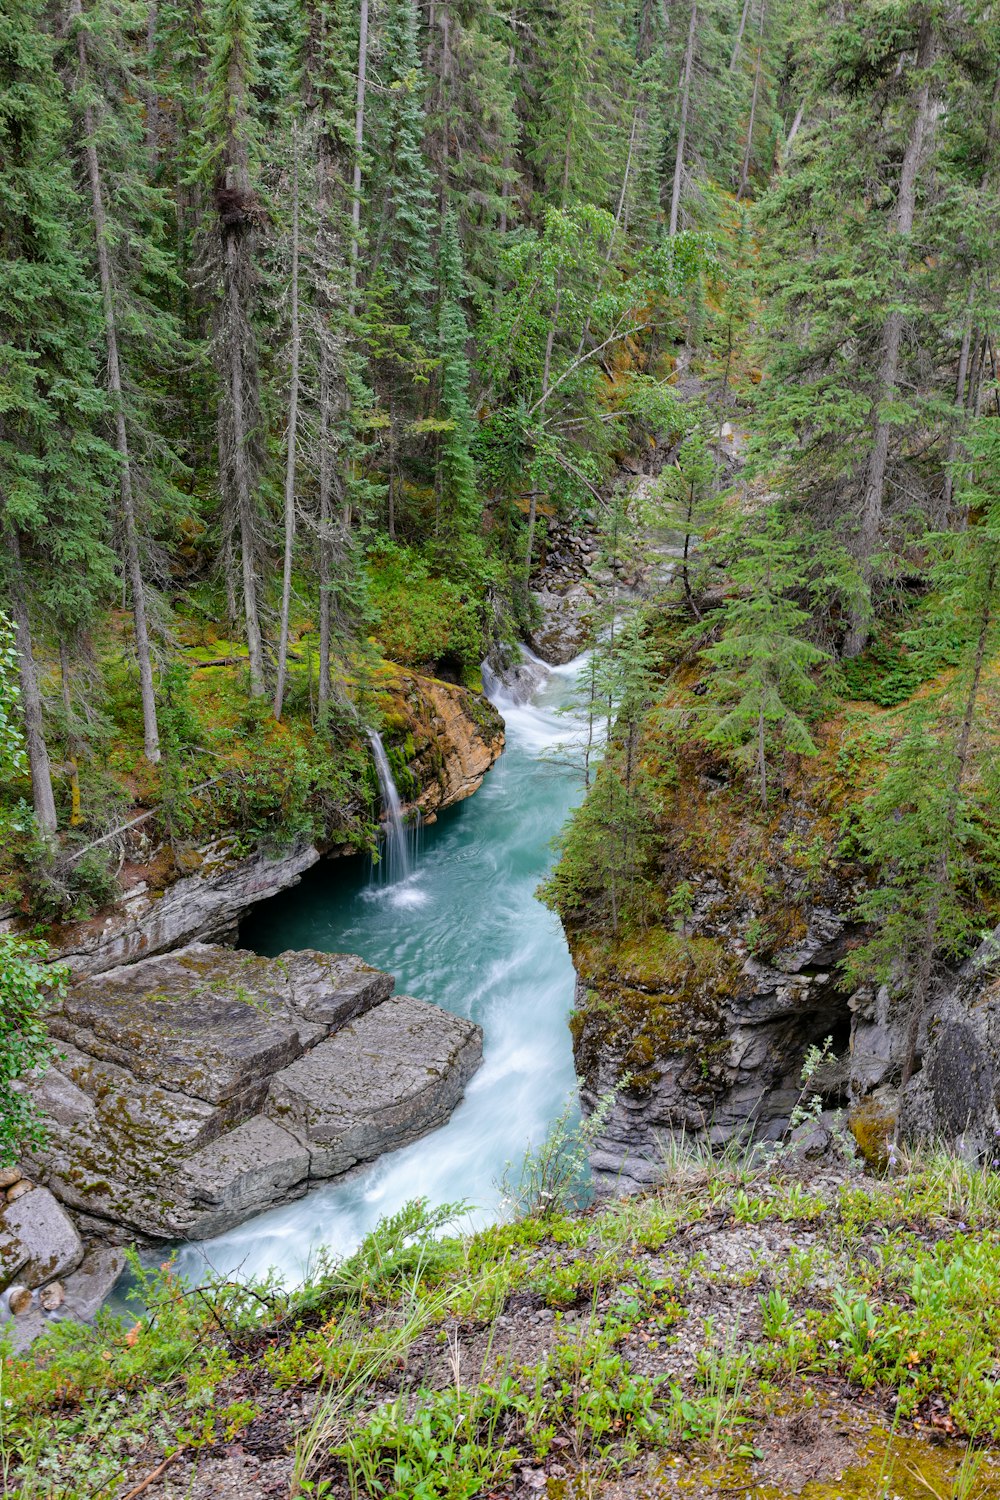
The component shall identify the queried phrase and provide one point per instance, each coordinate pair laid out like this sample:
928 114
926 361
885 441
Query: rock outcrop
203 906
955 1095
196 1089
452 739
710 1013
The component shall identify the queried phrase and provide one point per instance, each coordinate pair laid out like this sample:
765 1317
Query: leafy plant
28 987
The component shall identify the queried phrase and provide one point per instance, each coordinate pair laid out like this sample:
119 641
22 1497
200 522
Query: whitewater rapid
464 930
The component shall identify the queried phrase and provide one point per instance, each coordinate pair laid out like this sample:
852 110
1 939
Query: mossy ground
743 1331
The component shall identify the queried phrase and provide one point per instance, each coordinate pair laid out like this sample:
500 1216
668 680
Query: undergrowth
575 1345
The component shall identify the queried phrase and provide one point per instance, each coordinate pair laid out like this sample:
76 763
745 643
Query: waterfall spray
397 853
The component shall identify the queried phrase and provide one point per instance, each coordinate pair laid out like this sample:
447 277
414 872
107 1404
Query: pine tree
401 183
57 471
760 683
230 165
132 270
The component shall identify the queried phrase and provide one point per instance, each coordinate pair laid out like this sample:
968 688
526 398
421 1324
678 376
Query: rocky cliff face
199 1088
444 739
710 1013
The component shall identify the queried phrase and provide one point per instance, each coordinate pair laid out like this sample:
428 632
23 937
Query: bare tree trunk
31 699
546 374
748 150
738 42
152 99
72 743
505 185
675 197
795 127
359 143
873 492
960 382
151 737
233 316
325 522
293 418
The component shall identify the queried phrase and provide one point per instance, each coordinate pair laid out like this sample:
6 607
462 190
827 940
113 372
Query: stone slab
380 1082
205 1021
242 1173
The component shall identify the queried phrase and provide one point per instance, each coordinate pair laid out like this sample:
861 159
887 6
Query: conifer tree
230 165
760 686
131 265
402 185
55 468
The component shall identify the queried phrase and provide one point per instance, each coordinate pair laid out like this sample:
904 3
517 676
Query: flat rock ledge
196 1089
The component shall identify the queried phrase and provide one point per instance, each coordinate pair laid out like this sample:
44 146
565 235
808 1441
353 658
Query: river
466 931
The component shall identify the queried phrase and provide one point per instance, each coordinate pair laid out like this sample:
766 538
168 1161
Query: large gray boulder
198 1088
38 1240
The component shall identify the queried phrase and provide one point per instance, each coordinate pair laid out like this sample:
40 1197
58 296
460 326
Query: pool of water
466 931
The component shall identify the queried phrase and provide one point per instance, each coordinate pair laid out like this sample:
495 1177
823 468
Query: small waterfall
396 858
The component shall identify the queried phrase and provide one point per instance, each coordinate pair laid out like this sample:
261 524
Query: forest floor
765 1331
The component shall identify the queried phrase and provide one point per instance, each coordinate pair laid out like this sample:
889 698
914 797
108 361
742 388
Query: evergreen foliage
529 245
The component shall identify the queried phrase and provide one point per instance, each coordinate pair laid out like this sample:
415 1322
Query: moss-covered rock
171 1107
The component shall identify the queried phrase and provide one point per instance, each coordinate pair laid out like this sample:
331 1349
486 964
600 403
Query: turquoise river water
466 931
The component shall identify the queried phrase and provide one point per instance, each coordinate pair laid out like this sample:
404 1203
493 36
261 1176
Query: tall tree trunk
873 491
505 185
152 97
546 375
325 523
293 418
960 383
359 146
233 313
675 197
967 331
133 563
31 699
738 42
72 741
748 149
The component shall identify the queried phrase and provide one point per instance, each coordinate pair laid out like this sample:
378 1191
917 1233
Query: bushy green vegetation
425 1383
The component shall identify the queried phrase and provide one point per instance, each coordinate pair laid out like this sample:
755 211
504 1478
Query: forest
323 325
311 311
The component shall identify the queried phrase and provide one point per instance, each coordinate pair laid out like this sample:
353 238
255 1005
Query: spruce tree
56 470
760 686
134 276
230 167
